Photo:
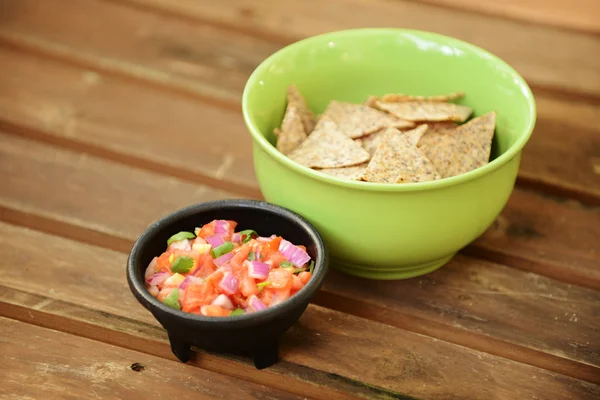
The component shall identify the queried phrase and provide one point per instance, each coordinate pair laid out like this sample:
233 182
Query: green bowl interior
351 65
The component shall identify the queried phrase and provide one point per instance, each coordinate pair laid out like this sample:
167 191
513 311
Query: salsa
218 272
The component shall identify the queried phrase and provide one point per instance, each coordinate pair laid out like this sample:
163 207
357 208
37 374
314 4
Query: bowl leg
266 355
180 348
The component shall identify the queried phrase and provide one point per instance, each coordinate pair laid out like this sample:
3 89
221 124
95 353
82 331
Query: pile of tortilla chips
395 138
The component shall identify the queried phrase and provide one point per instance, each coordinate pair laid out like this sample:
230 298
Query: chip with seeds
414 135
357 120
397 160
394 98
295 99
372 141
291 134
354 173
326 147
455 151
426 111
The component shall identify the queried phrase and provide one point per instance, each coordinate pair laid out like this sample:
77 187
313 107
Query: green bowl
389 231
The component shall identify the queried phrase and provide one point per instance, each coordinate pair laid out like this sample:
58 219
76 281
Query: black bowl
253 334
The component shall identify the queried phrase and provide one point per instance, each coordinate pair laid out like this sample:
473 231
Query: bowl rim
498 162
137 286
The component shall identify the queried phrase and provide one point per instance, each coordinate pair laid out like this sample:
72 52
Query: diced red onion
266 239
153 290
294 254
190 280
159 278
223 301
220 261
258 269
221 227
236 238
226 267
215 240
254 304
151 270
181 245
229 283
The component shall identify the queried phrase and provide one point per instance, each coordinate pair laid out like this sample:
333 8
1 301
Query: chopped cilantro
180 236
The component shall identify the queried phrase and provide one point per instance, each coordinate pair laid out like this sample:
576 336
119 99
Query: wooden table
114 113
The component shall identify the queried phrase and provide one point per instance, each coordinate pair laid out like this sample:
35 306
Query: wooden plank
325 350
547 235
476 296
84 205
550 66
43 363
117 119
143 125
566 167
43 180
579 15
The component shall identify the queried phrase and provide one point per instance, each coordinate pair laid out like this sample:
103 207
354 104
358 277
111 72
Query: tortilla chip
372 141
397 160
295 99
357 120
427 111
394 98
354 173
326 147
414 135
455 151
292 132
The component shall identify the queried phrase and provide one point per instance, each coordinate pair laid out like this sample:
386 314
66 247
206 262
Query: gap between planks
229 366
474 250
339 303
284 40
202 92
214 97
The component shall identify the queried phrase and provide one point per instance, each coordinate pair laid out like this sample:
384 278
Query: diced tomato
274 244
266 295
232 226
305 277
215 277
205 280
280 278
163 262
206 266
214 311
248 286
164 292
240 255
297 283
239 300
196 296
280 295
276 259
301 247
207 230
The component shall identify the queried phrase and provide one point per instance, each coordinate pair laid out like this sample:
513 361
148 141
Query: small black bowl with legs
253 334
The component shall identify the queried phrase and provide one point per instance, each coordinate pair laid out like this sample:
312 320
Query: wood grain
43 180
339 349
552 236
116 119
568 168
82 203
43 363
579 15
549 66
